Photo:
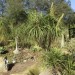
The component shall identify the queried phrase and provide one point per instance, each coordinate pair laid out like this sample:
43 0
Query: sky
73 4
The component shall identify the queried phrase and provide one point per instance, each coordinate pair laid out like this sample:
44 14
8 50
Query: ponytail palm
34 29
4 31
43 29
52 26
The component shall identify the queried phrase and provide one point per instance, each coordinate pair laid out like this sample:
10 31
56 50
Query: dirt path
20 67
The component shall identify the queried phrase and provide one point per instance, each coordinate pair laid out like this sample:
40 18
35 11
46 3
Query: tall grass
59 62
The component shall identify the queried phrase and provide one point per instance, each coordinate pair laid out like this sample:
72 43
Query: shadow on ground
4 52
10 66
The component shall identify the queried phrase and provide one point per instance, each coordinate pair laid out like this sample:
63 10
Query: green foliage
33 26
36 48
18 17
52 57
67 64
62 63
2 49
39 31
34 29
11 45
4 30
43 29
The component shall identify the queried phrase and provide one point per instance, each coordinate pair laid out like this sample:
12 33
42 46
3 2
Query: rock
24 60
16 74
2 65
46 72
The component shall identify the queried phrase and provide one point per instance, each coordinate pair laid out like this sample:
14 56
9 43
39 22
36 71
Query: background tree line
34 20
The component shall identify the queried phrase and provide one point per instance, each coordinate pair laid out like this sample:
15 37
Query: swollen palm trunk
16 51
62 41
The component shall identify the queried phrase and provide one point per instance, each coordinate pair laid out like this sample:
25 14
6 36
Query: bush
60 62
52 57
67 64
36 48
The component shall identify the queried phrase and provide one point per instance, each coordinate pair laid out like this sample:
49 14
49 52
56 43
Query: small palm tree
52 27
34 29
43 29
4 30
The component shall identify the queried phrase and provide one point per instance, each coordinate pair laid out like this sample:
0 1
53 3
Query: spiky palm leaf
4 31
34 29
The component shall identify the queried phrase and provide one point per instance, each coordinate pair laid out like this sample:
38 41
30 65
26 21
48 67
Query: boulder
2 65
46 72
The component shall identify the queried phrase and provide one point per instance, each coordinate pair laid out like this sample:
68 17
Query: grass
60 62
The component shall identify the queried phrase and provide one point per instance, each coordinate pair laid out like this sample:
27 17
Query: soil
20 67
24 60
